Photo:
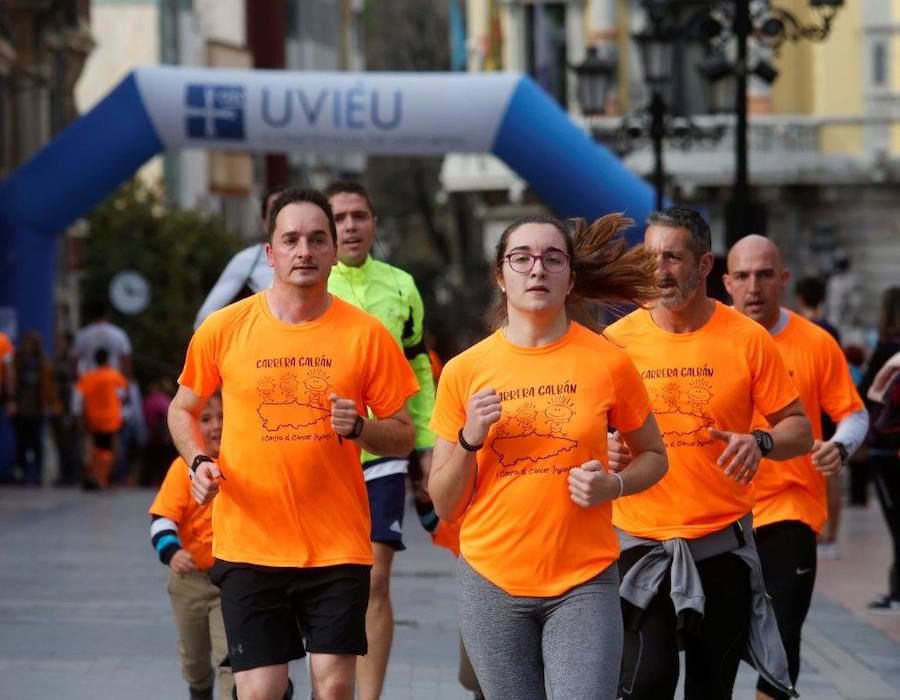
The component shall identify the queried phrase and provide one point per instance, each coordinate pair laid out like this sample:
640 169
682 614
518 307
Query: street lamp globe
595 80
657 50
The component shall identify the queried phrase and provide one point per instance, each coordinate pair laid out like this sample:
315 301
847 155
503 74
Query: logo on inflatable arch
215 112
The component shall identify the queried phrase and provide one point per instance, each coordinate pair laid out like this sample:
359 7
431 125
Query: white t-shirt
100 334
249 266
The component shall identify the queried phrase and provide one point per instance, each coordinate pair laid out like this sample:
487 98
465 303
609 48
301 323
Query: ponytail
608 273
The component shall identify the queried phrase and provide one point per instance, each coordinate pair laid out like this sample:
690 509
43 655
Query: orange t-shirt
795 489
293 495
102 405
174 501
522 531
446 535
436 365
712 377
7 351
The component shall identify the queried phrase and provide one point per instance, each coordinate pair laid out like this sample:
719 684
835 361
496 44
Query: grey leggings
573 642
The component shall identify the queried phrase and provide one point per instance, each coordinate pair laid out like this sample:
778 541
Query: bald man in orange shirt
791 501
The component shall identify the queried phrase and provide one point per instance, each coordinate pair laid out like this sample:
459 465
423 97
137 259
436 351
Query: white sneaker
828 550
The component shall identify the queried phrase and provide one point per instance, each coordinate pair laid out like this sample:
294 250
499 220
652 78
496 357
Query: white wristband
621 483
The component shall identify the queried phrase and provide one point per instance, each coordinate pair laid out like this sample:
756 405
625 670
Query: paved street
84 613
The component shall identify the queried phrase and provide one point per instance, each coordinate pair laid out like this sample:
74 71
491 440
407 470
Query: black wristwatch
465 445
198 460
842 448
357 428
764 441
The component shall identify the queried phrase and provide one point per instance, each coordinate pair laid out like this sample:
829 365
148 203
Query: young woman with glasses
521 421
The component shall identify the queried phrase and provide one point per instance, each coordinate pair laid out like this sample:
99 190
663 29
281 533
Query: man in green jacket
389 294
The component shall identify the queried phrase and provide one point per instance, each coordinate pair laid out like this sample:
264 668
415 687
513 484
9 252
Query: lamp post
656 47
739 220
717 24
771 26
595 79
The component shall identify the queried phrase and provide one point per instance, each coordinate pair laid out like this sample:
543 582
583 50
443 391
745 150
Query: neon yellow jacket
390 294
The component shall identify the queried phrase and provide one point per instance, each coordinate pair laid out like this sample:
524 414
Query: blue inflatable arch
158 108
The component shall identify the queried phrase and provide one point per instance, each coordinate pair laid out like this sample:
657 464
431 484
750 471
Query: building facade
240 34
823 137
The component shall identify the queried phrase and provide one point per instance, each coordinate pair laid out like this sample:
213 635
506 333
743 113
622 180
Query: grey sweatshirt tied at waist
678 556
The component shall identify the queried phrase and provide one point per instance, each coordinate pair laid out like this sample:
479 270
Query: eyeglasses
553 262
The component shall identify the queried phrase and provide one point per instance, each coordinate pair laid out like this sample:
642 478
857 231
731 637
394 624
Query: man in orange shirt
181 534
791 497
99 394
297 368
690 572
7 353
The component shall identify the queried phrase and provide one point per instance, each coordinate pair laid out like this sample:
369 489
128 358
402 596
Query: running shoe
884 605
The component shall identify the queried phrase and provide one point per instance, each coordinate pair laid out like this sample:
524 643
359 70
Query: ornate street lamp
778 25
771 26
733 22
656 45
595 76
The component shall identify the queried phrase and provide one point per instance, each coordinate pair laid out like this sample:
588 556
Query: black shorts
269 611
387 501
103 441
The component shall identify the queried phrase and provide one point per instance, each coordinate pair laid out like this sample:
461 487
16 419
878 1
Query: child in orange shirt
181 533
99 394
521 450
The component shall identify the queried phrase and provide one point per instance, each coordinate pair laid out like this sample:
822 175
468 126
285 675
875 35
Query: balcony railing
783 149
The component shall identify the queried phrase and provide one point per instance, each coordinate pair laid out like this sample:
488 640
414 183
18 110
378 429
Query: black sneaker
884 605
205 694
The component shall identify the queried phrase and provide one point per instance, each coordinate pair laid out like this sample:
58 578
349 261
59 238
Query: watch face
765 441
129 292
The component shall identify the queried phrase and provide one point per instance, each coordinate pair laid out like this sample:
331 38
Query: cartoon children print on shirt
534 430
286 406
560 413
685 403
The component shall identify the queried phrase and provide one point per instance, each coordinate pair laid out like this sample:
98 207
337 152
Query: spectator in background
884 461
810 293
856 359
32 403
133 436
844 299
100 333
7 351
159 450
62 422
99 395
881 386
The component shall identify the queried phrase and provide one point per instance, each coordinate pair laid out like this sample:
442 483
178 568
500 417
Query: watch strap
198 460
357 428
842 448
764 441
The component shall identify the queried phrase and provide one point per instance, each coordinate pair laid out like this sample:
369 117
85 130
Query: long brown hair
608 273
